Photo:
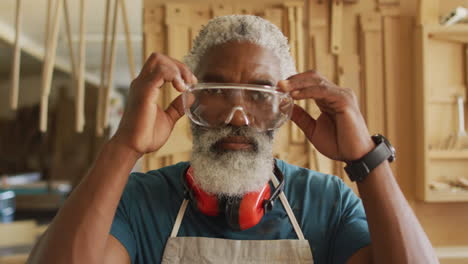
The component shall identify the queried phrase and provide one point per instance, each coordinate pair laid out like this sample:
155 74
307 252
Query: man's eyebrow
218 78
210 77
262 82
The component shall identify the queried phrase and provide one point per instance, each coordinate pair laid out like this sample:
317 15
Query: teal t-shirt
331 216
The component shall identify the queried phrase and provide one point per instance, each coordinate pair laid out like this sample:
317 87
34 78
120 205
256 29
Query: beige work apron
205 250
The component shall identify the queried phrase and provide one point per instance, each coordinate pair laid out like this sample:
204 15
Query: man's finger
176 109
301 80
302 119
150 63
186 73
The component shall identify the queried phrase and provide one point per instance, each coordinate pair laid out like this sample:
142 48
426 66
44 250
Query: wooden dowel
110 73
48 69
80 95
47 26
15 74
101 92
69 39
131 60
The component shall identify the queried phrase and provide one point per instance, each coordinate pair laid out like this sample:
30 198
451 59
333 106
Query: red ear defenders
241 212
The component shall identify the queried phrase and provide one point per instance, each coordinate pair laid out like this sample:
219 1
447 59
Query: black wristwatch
359 169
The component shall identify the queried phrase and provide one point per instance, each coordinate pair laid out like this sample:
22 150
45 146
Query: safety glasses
217 104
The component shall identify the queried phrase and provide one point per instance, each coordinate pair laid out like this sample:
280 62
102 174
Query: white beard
230 172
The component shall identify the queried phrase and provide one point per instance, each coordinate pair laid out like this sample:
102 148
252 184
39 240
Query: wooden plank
336 26
372 56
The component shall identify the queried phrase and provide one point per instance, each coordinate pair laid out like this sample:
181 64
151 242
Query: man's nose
239 118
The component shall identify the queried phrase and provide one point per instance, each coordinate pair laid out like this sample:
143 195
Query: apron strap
180 216
288 209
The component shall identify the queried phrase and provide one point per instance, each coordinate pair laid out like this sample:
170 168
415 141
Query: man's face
234 160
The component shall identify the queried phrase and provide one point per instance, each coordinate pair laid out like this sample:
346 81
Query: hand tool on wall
69 40
80 87
49 62
461 140
128 41
110 69
100 108
15 73
455 16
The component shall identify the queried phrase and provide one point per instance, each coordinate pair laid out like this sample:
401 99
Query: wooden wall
367 45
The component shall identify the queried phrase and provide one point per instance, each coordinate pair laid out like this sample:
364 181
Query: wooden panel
222 9
392 79
428 12
372 61
275 15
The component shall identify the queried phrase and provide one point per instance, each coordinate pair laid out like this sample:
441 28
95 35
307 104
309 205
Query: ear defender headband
241 212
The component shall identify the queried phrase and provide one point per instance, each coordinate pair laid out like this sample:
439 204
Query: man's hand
340 131
145 127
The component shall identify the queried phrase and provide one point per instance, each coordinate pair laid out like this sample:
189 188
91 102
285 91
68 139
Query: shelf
448 154
447 196
454 33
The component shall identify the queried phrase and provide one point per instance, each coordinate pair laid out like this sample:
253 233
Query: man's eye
260 96
213 91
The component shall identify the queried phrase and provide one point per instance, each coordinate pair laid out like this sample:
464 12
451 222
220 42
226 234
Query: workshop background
65 68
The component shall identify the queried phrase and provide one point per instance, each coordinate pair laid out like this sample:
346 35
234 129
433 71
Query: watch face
379 138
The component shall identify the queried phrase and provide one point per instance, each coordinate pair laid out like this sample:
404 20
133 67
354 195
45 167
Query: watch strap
358 170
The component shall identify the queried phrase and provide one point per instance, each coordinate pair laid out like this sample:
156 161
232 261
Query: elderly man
238 85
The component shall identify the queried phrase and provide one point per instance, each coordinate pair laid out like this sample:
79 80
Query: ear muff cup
244 213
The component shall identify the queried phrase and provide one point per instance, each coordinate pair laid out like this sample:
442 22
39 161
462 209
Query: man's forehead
231 62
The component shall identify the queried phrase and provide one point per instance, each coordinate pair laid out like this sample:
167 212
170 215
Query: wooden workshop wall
366 45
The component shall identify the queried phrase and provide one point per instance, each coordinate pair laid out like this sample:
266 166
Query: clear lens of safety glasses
218 104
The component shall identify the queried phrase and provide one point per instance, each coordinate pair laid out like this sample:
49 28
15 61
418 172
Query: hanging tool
15 74
459 140
80 87
110 70
49 63
100 107
128 40
69 40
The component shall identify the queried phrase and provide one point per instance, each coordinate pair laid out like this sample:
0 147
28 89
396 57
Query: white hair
247 28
